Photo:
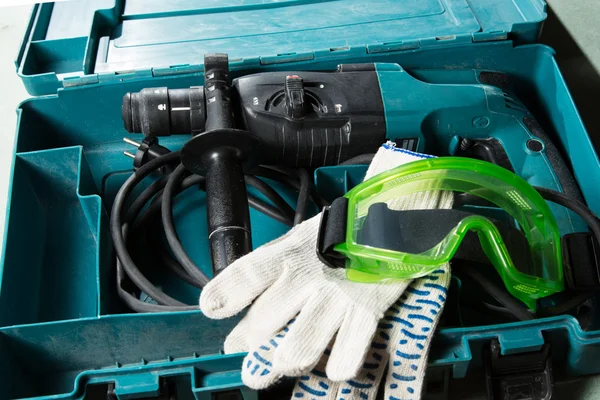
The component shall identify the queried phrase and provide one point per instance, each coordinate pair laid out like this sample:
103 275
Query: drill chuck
161 111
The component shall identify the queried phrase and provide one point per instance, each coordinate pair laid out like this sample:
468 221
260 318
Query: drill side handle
227 209
221 153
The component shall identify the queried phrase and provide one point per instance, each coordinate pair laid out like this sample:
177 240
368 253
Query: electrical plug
147 151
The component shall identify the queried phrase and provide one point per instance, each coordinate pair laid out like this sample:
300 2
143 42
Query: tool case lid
96 41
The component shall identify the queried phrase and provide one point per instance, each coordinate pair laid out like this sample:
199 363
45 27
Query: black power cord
125 264
501 295
140 220
169 226
574 205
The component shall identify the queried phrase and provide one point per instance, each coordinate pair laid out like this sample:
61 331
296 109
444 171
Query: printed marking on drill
481 122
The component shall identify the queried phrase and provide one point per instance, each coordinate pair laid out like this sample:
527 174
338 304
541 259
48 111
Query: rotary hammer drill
314 119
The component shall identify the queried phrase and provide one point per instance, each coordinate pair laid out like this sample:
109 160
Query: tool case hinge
393 46
437 41
337 52
120 76
81 80
493 36
518 376
287 58
183 69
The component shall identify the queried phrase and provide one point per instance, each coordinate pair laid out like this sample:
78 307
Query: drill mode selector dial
294 97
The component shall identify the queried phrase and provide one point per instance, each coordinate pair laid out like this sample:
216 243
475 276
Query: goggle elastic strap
580 250
332 231
410 231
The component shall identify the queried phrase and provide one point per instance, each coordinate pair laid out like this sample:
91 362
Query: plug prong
130 155
131 142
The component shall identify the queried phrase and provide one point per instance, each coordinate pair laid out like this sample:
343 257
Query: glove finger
237 340
308 338
257 368
269 313
366 384
352 343
241 282
276 307
315 384
244 337
257 372
419 311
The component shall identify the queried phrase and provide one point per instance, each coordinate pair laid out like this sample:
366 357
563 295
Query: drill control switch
294 97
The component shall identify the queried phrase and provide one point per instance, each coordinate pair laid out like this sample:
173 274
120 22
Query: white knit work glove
285 278
401 343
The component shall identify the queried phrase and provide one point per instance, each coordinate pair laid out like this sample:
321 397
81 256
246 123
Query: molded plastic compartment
64 57
50 257
62 359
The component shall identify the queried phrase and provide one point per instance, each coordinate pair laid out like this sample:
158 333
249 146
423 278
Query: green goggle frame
369 263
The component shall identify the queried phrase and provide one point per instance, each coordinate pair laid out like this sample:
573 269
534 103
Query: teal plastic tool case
64 333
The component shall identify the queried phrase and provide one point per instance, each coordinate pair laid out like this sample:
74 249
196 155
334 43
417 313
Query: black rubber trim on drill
412 231
364 67
343 115
490 150
496 79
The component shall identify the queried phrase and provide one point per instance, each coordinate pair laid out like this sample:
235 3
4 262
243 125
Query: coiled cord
140 220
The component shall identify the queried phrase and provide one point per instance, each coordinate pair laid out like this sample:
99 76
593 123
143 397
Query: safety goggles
509 225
